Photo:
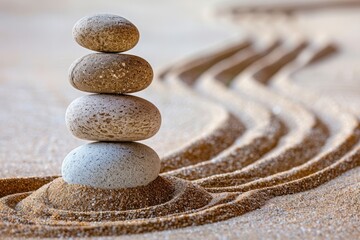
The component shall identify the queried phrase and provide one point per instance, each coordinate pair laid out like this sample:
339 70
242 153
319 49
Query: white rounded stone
111 165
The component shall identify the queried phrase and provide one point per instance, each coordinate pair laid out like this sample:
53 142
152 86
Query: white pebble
111 165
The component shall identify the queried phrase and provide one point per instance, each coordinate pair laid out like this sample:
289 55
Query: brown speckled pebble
102 117
110 73
106 33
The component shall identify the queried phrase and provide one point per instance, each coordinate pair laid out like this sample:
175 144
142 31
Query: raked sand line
211 143
263 128
341 142
308 145
307 133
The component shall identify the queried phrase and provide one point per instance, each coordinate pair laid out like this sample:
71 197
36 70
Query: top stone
106 33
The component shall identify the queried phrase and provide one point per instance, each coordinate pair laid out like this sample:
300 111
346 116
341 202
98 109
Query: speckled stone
110 73
111 165
106 33
102 117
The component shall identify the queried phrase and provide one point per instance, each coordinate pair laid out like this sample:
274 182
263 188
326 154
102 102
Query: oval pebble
102 117
106 33
111 165
110 73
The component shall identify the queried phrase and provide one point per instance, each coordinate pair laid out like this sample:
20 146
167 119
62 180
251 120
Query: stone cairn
110 116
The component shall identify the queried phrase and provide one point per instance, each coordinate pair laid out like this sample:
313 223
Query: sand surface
309 215
317 102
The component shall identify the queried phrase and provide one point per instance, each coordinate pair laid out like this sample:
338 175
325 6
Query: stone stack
110 116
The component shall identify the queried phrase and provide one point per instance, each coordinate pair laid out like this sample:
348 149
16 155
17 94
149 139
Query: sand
305 141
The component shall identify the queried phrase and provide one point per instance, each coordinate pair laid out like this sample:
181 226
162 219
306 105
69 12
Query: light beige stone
110 73
106 33
111 165
101 117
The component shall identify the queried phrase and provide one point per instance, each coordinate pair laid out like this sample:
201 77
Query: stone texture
102 117
111 165
110 73
106 33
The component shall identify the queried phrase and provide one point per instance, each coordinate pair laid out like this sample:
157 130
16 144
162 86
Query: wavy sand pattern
272 138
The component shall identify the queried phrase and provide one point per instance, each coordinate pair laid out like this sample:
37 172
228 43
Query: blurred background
168 28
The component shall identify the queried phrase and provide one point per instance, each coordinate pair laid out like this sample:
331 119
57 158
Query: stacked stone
110 116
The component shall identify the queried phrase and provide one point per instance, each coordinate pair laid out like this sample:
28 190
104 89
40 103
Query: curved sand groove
178 192
211 143
194 68
263 128
344 127
279 58
314 135
264 162
345 131
312 54
213 132
245 60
